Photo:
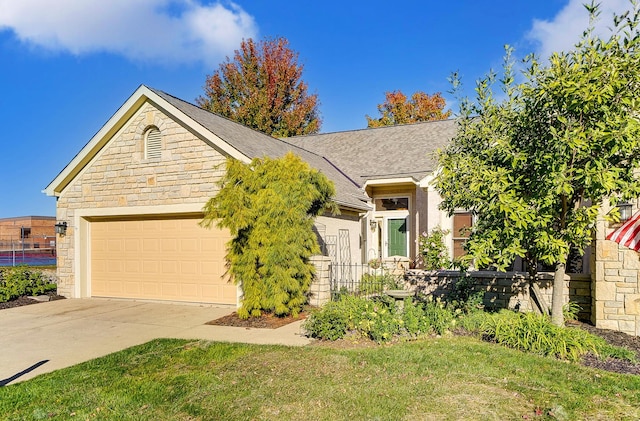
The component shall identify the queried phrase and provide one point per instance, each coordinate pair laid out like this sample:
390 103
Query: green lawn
439 378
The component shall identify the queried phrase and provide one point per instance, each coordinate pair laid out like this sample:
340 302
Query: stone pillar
320 292
616 298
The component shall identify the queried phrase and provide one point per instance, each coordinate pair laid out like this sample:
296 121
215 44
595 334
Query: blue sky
66 66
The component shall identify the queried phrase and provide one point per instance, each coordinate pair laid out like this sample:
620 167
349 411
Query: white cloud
565 29
143 30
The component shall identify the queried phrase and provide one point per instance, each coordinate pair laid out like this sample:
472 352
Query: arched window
153 144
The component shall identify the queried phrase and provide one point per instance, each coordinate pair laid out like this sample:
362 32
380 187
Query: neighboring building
27 232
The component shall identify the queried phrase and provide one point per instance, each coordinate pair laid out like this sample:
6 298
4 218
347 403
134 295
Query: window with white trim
153 144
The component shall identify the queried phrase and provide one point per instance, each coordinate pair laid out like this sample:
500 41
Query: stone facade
121 179
616 298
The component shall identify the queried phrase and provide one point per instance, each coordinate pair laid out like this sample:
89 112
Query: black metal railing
362 280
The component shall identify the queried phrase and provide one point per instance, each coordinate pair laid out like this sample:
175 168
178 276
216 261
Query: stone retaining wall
503 289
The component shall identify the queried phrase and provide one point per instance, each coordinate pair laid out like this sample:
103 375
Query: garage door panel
161 259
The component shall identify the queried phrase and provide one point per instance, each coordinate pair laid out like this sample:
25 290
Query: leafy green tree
536 167
269 207
262 88
398 109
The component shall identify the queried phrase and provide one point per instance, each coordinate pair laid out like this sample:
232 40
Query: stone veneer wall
616 298
120 177
503 289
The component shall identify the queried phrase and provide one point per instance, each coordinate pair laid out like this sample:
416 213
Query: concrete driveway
44 337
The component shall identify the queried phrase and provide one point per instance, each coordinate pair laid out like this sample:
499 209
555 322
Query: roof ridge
416 123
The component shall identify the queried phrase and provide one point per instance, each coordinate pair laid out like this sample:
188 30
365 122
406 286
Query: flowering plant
433 251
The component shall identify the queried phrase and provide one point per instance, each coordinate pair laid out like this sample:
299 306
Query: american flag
628 234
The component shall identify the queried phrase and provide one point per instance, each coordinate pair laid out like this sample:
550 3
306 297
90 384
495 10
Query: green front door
397 237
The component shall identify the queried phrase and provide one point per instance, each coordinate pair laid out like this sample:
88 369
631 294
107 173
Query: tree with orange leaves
262 88
398 109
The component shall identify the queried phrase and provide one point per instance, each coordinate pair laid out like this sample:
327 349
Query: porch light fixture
373 224
625 211
61 228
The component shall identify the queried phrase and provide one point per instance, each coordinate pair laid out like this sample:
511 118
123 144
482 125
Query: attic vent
153 144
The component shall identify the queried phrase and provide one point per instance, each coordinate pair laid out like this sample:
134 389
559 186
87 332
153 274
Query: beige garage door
159 259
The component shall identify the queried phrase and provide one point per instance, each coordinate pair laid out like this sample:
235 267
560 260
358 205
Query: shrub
472 322
335 318
413 318
537 334
433 251
23 280
464 297
269 207
329 323
439 316
570 311
379 319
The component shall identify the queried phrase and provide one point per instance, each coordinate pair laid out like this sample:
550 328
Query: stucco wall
328 228
121 179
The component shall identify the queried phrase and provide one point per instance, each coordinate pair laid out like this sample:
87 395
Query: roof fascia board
388 181
97 142
350 207
427 182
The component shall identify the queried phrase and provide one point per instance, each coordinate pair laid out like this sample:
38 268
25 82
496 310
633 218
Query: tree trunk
540 304
557 299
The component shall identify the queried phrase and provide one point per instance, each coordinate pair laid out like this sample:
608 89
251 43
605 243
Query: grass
437 378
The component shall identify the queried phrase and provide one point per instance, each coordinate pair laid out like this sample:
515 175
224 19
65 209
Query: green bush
330 323
23 280
570 311
433 251
472 322
440 317
336 318
464 297
379 319
537 334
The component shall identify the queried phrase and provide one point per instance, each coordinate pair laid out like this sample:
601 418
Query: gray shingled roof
254 144
385 152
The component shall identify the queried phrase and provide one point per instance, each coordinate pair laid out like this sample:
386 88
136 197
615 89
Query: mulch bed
269 321
25 301
617 339
266 321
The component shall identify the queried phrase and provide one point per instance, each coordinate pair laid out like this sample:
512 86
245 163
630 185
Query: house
394 166
132 200
133 196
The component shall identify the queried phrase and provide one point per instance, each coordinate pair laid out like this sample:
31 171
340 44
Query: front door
397 237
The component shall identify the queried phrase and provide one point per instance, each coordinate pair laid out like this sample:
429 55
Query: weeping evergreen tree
269 207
